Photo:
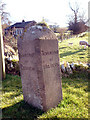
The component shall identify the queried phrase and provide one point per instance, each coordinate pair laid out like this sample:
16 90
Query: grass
73 105
12 91
75 90
73 53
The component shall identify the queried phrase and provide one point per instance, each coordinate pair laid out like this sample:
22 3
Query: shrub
12 67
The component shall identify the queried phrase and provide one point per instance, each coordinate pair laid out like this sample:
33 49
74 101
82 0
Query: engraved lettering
50 66
49 53
27 68
42 53
27 55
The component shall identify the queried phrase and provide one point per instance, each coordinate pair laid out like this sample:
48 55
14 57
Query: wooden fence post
2 61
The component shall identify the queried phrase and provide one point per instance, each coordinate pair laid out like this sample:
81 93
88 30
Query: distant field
73 53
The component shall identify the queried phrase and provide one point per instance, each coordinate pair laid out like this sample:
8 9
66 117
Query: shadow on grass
21 111
24 111
70 53
62 47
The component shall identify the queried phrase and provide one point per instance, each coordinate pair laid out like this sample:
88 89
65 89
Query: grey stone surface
39 67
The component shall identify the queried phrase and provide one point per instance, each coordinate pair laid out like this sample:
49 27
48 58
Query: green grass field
73 53
75 90
73 105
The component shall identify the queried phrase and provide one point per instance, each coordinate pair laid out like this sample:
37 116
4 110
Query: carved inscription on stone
44 53
49 53
50 66
23 67
27 55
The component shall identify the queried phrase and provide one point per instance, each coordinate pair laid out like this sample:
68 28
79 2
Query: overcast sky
56 11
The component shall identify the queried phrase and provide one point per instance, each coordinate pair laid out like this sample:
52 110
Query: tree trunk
2 61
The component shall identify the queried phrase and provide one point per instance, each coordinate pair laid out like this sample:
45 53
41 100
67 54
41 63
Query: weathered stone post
2 61
40 68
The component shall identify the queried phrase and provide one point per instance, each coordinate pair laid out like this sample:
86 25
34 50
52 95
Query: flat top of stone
38 32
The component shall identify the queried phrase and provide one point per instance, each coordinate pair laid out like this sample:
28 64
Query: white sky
56 11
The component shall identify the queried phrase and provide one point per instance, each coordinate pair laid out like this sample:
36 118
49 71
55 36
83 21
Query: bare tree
77 21
75 11
4 15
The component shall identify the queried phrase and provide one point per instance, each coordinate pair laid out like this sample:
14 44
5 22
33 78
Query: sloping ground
70 50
